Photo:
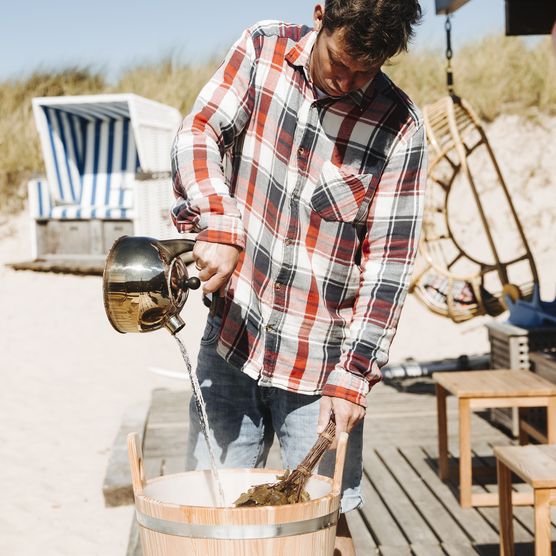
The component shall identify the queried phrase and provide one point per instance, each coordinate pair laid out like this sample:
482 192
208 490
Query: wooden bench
488 389
536 465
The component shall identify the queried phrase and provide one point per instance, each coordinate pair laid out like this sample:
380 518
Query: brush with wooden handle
289 489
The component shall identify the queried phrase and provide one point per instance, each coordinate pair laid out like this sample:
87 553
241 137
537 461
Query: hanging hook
449 54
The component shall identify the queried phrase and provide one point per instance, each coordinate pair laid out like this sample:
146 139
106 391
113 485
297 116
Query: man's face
333 70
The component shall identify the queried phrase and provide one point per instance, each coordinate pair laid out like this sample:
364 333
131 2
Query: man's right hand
215 263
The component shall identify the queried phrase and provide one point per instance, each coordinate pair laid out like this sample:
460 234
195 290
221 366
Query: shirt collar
299 55
362 97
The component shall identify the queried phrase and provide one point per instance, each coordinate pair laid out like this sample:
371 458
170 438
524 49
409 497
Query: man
302 167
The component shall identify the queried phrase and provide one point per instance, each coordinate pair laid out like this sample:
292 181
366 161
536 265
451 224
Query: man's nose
346 83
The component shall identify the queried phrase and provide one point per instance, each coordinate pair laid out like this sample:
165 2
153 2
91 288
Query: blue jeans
243 418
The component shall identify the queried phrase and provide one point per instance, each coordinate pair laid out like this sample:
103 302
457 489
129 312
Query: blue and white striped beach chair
107 160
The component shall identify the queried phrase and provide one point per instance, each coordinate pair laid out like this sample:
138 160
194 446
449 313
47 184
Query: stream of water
203 419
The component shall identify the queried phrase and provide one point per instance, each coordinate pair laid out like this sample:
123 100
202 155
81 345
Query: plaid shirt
325 198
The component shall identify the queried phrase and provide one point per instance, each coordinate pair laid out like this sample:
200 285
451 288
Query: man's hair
374 30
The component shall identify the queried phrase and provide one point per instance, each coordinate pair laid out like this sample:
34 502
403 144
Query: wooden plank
465 469
400 415
82 267
419 431
386 550
505 496
410 433
173 465
362 538
399 401
542 521
395 397
498 383
134 544
434 513
458 549
169 406
152 467
442 431
419 549
165 442
399 506
167 427
378 519
274 458
534 464
117 488
476 527
164 398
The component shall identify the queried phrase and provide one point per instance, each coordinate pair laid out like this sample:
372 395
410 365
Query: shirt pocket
339 193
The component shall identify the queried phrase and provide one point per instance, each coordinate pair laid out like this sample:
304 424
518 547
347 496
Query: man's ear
317 16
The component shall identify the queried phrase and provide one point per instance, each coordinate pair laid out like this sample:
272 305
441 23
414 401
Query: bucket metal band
236 532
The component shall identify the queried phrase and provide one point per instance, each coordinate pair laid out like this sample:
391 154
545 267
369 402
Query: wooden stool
536 465
487 389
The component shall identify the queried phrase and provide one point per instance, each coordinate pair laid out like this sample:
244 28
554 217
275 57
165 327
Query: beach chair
107 161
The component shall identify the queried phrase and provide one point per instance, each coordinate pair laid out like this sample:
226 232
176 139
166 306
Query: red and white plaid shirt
325 198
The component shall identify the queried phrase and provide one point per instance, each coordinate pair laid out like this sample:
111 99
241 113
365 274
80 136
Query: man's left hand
347 415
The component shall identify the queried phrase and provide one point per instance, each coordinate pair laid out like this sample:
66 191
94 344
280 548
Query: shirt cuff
218 228
349 386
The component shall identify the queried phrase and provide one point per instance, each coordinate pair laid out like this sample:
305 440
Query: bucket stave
176 513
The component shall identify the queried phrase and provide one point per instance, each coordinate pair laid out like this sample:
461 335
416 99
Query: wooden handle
340 459
135 457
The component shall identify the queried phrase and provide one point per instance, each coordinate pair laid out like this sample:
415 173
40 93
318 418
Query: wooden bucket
177 514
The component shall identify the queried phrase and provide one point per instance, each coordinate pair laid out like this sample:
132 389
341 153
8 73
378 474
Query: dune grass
176 85
497 75
20 155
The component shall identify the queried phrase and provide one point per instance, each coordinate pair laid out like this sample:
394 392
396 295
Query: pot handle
339 467
135 457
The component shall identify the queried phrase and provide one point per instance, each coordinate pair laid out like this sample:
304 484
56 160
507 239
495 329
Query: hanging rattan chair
473 251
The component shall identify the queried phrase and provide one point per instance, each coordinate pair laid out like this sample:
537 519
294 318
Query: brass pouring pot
146 284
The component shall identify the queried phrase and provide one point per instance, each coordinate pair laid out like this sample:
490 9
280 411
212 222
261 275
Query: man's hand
215 263
347 415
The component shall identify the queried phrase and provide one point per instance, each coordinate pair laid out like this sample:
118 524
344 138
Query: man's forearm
203 200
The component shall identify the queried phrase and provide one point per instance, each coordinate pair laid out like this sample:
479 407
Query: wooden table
536 465
480 390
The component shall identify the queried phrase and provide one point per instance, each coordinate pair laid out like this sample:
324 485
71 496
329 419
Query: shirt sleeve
387 260
203 200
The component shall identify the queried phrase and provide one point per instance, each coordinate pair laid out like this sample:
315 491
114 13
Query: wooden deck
408 510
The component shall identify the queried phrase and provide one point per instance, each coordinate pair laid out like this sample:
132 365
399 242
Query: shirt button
288 241
278 286
269 327
301 151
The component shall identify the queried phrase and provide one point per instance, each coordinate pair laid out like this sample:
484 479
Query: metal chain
449 54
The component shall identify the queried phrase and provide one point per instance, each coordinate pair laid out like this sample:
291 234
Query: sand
68 377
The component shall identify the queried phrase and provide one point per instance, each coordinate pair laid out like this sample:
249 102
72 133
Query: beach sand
68 377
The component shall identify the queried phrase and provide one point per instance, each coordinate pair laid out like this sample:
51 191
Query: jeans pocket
212 330
339 192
